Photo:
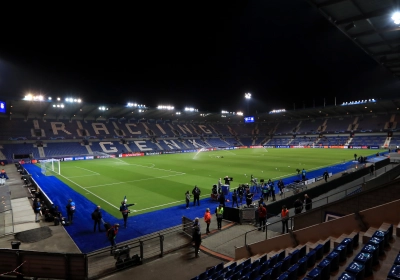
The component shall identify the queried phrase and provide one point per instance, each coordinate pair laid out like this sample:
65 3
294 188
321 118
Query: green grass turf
156 182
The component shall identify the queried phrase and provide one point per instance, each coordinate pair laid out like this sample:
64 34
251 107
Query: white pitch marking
87 170
161 205
112 205
146 179
84 176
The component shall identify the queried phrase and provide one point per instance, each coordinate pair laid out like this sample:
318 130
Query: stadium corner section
81 231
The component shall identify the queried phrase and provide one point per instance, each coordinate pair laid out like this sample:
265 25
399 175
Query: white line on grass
152 167
161 205
90 192
138 180
84 176
87 170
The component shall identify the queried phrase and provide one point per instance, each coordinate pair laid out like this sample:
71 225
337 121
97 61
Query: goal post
50 165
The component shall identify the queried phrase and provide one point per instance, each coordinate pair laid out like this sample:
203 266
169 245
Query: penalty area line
138 180
112 205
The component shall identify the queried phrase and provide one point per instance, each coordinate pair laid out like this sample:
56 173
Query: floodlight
396 18
247 95
49 98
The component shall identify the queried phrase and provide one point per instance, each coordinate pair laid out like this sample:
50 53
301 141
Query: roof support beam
371 32
376 13
329 2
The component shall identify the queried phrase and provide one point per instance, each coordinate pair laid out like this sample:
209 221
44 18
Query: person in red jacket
262 216
207 220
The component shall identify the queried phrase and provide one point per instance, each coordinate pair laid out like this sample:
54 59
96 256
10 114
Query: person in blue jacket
3 177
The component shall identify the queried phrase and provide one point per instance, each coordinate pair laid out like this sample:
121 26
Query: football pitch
160 181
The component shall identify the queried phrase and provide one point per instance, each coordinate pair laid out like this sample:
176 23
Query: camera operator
125 211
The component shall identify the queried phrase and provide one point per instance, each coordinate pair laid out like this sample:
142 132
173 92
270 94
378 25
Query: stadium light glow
32 97
358 102
190 109
247 95
396 18
239 113
178 113
102 108
72 100
277 111
163 107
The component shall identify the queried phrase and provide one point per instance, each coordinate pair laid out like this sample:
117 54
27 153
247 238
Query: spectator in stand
307 202
285 219
220 214
97 216
207 220
70 210
281 186
221 199
249 198
235 199
262 216
3 177
326 176
298 206
36 208
241 193
303 174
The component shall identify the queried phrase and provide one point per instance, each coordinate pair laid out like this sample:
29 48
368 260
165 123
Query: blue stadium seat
311 258
397 259
394 272
276 270
220 266
254 273
373 251
327 246
366 260
283 276
286 263
255 264
325 266
342 250
263 267
263 259
378 242
319 251
334 257
272 261
292 271
281 255
220 277
314 273
295 256
229 273
346 276
267 275
302 251
247 262
302 269
382 234
246 270
356 269
356 240
349 245
235 276
202 276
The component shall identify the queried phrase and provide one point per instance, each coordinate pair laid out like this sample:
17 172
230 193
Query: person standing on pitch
96 217
187 198
125 211
196 196
70 210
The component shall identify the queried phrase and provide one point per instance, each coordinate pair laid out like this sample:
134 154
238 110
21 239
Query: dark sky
205 55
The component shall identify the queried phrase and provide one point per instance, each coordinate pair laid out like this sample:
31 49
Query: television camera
122 255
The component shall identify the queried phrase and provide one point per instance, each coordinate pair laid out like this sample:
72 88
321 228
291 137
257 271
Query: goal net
50 166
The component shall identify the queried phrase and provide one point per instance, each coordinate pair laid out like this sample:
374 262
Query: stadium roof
80 111
369 25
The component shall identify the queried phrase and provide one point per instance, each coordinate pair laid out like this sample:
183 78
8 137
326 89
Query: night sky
190 54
